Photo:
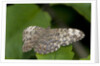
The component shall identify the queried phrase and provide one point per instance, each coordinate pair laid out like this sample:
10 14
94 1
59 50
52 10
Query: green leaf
64 13
19 17
88 58
29 55
64 53
83 8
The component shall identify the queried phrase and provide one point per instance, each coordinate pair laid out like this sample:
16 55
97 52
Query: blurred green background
74 15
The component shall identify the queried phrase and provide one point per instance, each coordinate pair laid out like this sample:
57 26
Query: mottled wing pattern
27 39
70 35
45 41
31 36
48 43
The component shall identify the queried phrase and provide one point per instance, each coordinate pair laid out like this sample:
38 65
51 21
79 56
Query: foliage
88 58
83 8
62 53
20 16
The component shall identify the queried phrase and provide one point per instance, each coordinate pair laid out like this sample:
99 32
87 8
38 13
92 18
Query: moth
46 40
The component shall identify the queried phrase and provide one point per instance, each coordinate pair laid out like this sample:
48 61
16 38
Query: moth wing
27 39
27 47
48 43
68 36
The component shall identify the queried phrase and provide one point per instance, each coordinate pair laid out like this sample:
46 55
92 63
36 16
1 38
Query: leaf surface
19 17
83 8
61 54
